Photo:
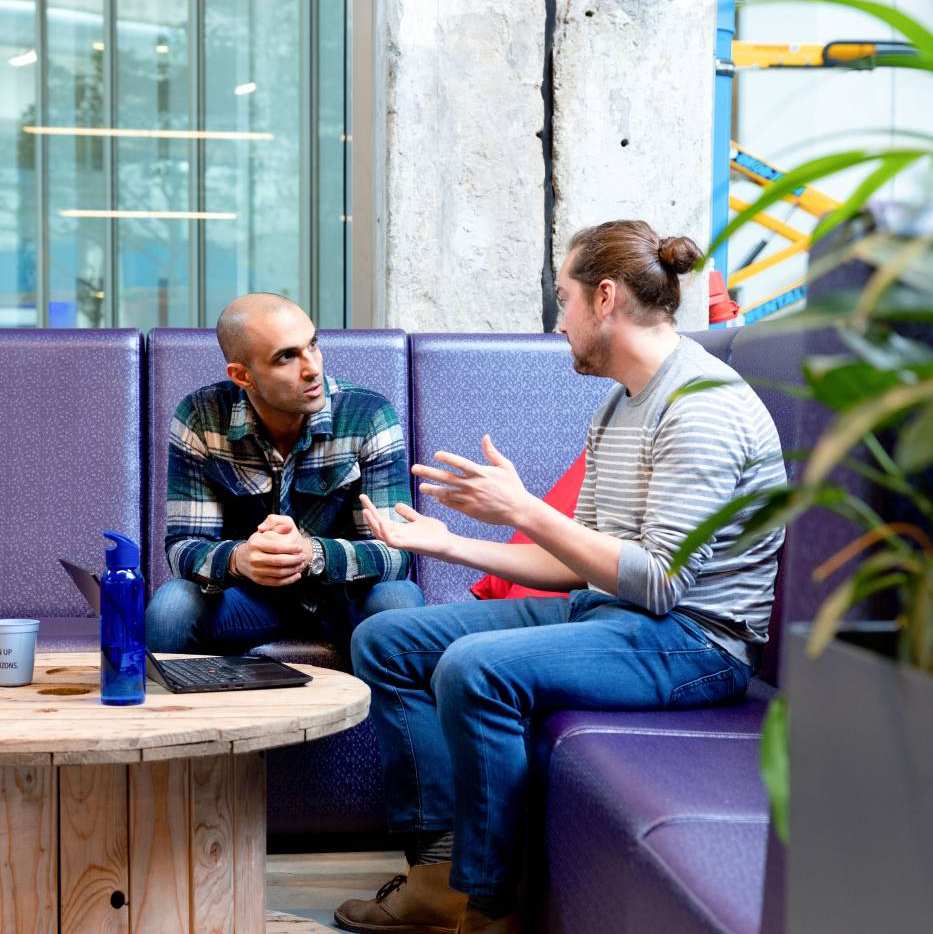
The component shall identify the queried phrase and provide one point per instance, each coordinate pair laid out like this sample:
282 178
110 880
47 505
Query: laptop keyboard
201 671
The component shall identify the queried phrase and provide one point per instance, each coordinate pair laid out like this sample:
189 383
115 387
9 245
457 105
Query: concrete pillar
462 217
633 121
463 239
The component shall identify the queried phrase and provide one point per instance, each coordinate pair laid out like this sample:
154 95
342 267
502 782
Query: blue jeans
454 689
181 618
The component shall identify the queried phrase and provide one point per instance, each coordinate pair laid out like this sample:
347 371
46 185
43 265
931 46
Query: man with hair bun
265 534
453 687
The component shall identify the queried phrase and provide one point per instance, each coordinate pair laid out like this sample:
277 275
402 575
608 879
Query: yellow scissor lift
855 54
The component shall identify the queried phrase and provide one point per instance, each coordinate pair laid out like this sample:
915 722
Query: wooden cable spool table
145 818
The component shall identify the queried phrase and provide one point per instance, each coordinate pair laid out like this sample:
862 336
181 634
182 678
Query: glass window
160 157
251 91
153 256
19 212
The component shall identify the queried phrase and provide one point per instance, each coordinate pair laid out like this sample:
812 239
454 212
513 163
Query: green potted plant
855 794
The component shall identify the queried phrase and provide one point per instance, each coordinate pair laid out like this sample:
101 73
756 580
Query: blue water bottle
122 625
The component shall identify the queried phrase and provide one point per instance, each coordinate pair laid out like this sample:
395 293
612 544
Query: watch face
317 565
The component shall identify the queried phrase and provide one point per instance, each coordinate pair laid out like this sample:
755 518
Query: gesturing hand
492 493
421 534
274 554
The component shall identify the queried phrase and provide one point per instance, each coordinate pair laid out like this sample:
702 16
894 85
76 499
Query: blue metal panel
722 125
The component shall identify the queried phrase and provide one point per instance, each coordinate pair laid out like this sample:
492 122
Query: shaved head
236 320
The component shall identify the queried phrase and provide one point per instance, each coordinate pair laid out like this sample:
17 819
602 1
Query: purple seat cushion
70 459
637 822
182 360
741 720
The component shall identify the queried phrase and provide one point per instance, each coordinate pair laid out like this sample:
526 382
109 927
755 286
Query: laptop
204 673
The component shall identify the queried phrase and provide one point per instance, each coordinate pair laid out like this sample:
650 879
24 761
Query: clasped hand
274 554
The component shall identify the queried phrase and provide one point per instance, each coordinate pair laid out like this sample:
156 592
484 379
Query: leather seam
697 819
650 731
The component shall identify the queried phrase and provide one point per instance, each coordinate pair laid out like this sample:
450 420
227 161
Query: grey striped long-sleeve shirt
655 469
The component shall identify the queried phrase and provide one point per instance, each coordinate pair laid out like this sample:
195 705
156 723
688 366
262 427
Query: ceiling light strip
144 134
165 215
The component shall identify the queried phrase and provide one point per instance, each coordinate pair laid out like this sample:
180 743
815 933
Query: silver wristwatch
315 567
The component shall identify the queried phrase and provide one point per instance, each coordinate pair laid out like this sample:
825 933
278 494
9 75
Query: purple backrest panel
817 534
523 391
182 360
70 459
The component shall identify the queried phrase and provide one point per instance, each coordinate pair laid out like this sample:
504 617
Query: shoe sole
346 924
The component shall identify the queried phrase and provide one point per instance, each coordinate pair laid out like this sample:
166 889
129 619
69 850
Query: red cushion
563 497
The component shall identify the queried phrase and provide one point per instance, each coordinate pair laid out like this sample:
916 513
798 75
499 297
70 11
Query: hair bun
678 254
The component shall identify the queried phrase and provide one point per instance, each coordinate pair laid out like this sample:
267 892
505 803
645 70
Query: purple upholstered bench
650 821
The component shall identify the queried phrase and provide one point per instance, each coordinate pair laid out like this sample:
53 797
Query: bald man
265 534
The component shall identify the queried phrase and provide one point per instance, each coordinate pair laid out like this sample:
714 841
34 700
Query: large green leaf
701 385
805 174
914 449
775 765
785 508
907 315
851 426
770 509
839 383
717 520
891 164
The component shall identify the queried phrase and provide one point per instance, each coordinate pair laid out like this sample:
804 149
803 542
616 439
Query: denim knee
391 595
387 595
375 638
463 673
173 614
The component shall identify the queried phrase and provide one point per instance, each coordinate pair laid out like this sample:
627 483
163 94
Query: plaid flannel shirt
221 468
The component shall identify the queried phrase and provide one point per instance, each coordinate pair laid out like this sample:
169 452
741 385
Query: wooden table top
59 719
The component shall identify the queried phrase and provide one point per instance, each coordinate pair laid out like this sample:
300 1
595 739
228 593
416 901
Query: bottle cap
124 553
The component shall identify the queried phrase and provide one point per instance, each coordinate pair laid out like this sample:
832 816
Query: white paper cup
17 651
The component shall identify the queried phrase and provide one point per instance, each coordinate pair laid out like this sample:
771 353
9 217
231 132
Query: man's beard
592 360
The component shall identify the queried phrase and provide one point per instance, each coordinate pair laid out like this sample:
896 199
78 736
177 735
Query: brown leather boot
475 922
421 903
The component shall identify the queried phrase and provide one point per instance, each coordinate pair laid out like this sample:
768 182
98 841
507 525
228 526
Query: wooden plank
93 849
28 850
220 747
21 759
320 730
97 757
268 742
159 847
250 843
212 843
